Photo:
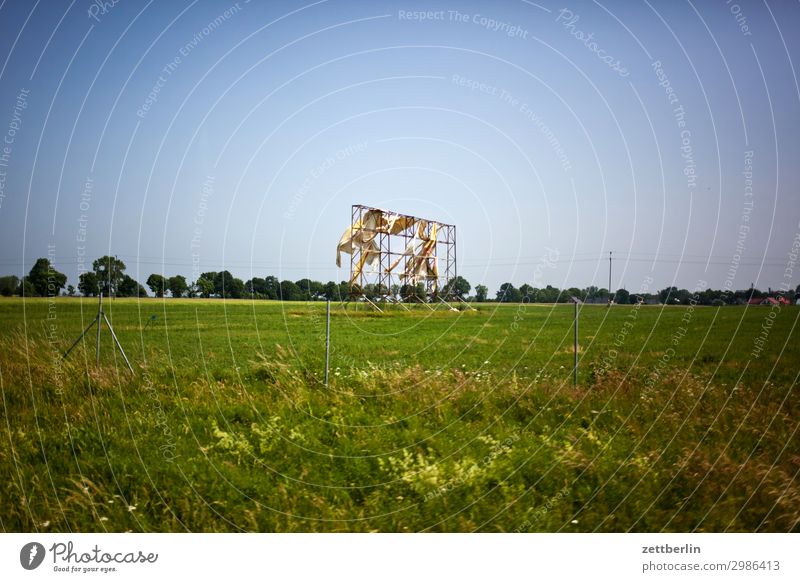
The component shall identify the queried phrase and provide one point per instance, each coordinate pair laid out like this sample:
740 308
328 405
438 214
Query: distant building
779 300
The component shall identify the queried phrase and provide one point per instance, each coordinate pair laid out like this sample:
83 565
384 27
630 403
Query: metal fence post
575 373
327 339
99 325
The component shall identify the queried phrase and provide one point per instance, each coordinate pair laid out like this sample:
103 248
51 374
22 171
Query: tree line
667 296
108 277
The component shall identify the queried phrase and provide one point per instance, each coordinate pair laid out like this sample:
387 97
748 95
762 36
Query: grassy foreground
684 419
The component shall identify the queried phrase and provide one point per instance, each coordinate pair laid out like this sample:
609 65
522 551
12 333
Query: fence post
99 325
327 339
575 348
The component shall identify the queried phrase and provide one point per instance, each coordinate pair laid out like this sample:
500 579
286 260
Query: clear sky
195 136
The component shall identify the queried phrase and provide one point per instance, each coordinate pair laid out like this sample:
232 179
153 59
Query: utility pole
610 296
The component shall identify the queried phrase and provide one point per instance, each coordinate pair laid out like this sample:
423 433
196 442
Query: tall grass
261 445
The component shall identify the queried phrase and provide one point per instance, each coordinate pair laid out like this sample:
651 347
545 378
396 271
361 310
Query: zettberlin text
665 549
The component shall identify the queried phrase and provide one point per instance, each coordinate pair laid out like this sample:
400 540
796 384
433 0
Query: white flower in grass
131 508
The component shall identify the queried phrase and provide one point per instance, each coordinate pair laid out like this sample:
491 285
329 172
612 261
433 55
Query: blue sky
237 135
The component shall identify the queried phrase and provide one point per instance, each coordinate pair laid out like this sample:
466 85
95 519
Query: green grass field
684 419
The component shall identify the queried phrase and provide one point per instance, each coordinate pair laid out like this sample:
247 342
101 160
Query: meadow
683 418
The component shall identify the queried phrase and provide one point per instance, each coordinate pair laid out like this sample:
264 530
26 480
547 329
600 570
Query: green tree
71 290
87 284
45 279
481 293
129 287
271 285
508 294
600 294
684 296
549 294
344 290
413 293
157 284
256 287
711 297
311 290
665 294
228 286
304 285
331 291
289 291
177 285
205 287
209 276
110 271
8 285
574 292
621 296
26 288
527 293
458 287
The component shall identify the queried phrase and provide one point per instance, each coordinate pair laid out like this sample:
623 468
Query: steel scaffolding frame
394 263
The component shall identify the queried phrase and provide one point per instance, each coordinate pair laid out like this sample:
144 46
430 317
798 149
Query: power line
491 262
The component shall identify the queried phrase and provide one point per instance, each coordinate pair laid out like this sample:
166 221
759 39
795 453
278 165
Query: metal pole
575 371
119 345
80 337
99 325
609 278
327 339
